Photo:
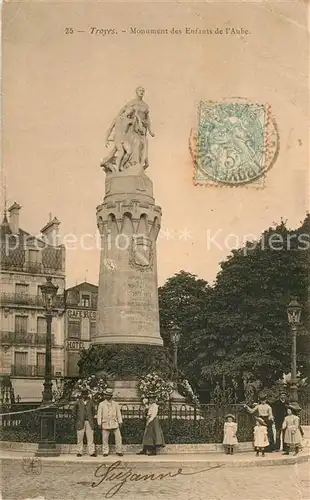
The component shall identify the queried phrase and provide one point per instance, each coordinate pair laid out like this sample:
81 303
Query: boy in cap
109 418
85 423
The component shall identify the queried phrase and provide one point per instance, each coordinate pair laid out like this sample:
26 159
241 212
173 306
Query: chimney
50 231
14 217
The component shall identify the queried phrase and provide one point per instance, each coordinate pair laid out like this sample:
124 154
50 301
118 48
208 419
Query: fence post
170 410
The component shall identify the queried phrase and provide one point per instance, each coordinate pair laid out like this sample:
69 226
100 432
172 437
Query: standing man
109 418
85 423
279 408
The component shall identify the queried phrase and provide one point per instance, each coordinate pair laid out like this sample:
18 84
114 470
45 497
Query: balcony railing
24 338
31 268
28 300
28 370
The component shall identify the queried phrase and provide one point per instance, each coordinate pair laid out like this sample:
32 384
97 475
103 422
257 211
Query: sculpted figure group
130 127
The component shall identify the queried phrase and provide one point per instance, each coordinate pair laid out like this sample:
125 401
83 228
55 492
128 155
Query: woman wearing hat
264 411
230 434
153 437
291 426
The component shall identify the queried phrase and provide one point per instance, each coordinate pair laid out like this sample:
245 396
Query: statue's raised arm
130 148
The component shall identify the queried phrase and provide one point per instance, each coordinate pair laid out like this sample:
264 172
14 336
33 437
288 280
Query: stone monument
129 223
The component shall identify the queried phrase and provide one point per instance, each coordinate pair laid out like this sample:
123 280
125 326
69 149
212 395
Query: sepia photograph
155 246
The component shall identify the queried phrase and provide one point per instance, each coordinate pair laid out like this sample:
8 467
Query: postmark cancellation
236 143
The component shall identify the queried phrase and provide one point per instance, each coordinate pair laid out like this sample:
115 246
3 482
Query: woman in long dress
153 438
292 435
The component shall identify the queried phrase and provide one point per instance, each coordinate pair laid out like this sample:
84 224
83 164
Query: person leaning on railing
264 411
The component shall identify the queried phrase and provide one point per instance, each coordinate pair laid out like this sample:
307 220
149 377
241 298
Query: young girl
260 436
292 434
153 438
230 431
264 411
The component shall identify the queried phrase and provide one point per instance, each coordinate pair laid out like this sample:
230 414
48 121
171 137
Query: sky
61 92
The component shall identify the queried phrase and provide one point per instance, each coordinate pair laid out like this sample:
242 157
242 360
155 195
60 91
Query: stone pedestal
129 222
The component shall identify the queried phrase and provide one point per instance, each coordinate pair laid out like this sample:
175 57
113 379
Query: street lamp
47 444
175 335
293 314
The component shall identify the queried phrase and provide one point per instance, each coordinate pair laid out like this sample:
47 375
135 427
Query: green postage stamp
236 144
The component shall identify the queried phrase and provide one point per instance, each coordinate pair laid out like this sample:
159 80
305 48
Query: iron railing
29 370
28 300
24 338
8 265
181 424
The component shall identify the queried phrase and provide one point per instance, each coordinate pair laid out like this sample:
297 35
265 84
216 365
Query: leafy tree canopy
240 324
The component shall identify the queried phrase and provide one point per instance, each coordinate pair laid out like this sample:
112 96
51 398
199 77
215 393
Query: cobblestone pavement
68 481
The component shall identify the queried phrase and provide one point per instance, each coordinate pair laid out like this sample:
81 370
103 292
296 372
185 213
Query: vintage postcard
155 245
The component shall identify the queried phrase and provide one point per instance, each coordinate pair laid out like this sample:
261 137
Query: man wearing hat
85 423
109 418
279 408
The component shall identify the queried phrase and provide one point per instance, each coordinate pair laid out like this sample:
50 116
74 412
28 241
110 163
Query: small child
292 434
260 436
230 434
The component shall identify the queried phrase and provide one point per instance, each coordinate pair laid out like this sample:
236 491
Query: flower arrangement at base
94 385
152 385
187 391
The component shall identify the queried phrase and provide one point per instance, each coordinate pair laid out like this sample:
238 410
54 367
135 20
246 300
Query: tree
182 302
246 328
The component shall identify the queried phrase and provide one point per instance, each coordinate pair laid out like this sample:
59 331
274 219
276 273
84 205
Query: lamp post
47 444
293 314
175 339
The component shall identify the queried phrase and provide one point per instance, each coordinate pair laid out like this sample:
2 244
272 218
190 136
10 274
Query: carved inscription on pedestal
141 311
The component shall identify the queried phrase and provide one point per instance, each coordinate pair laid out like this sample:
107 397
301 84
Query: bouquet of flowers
94 385
189 393
153 385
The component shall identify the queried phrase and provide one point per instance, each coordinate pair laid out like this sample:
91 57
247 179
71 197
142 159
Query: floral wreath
152 385
94 385
188 392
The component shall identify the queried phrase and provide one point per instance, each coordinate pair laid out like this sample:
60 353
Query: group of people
282 415
109 419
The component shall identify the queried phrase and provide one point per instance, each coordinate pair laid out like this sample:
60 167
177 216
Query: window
21 358
41 325
33 256
85 301
92 329
74 329
21 324
21 289
21 368
40 364
72 366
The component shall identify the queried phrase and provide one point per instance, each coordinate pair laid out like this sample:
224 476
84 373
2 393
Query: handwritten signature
118 471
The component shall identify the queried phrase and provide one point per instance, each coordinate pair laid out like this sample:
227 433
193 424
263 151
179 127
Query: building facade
80 323
25 262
